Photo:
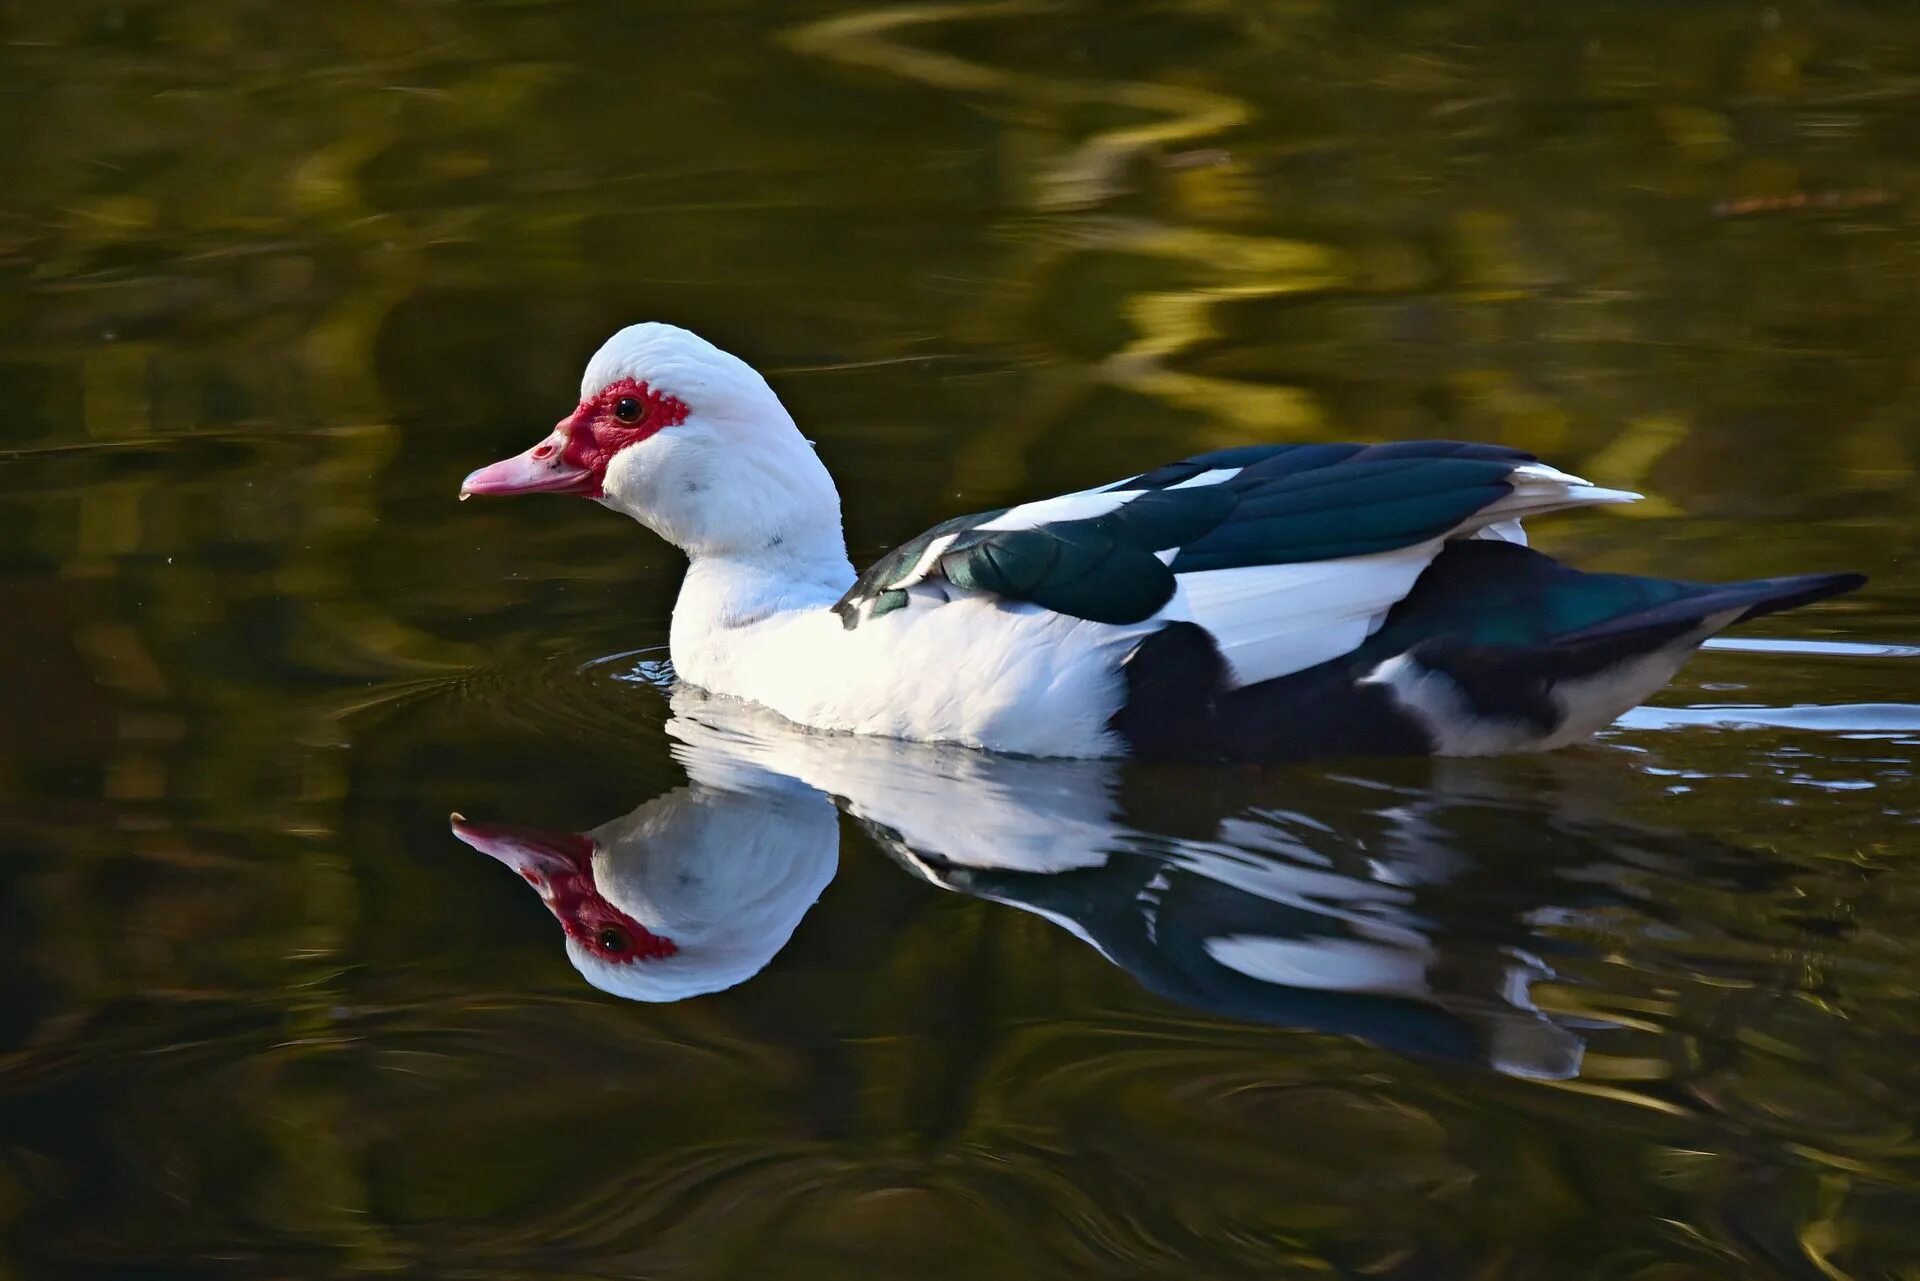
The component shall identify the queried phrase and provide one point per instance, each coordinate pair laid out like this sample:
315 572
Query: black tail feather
1755 598
1506 623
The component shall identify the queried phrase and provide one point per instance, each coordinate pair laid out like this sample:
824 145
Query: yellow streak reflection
1228 267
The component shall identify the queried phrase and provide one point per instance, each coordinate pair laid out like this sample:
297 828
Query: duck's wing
1287 554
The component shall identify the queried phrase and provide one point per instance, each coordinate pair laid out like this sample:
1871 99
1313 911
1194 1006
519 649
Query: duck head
693 892
688 440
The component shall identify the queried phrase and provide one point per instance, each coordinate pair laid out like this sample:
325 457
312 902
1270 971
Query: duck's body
1265 603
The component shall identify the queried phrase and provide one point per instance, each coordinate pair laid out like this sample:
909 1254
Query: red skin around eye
594 433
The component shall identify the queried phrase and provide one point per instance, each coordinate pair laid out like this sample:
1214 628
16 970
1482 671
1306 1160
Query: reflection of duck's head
691 893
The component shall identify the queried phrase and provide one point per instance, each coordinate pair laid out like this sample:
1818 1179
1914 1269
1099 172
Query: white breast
976 670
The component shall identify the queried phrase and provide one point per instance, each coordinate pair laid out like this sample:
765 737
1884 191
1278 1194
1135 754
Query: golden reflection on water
1069 178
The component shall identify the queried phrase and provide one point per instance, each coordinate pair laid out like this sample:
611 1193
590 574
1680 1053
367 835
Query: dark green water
273 277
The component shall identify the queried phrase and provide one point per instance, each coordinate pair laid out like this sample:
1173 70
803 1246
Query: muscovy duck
1263 603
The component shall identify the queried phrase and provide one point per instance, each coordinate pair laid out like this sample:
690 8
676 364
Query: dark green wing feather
1279 504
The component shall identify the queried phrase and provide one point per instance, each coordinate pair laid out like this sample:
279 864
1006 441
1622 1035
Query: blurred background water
273 277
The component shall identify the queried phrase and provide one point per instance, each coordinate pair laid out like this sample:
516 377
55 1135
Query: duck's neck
788 574
726 596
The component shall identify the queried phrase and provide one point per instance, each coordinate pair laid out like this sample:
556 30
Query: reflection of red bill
559 865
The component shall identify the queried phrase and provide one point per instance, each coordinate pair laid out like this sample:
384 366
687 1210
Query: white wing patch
1270 620
1084 505
1502 531
1213 477
924 566
1537 490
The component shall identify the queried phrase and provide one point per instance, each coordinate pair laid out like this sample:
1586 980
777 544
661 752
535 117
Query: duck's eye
628 409
612 940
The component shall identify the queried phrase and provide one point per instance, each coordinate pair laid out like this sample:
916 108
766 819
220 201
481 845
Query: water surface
273 278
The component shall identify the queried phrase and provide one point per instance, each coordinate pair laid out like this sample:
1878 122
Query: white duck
1260 603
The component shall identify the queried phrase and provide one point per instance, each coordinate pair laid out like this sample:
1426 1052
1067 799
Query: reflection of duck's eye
612 940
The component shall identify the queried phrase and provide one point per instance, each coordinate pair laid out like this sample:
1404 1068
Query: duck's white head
691 442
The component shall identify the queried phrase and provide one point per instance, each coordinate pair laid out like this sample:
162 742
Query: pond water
274 277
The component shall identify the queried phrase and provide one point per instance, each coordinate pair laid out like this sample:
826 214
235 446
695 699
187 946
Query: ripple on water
589 700
1811 648
1843 718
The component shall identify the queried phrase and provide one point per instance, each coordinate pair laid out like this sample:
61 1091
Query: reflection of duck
1249 921
1286 945
1258 603
1369 907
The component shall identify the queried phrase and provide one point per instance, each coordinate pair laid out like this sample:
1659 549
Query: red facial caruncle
559 866
574 458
